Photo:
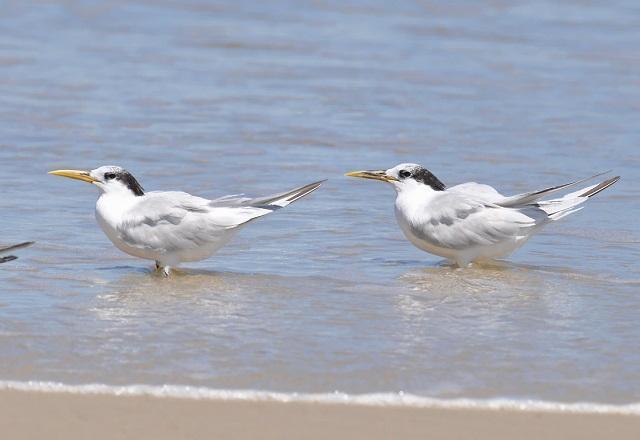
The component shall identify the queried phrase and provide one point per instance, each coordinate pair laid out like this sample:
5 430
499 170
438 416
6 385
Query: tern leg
166 270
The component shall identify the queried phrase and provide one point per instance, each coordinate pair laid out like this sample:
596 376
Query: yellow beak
74 174
374 175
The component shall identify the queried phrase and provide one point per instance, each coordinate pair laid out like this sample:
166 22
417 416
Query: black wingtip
601 187
305 190
318 183
16 246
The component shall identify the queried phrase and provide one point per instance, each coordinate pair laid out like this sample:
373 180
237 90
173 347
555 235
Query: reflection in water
497 277
487 294
209 294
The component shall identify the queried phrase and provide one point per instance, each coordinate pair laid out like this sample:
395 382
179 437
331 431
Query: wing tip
304 191
17 246
601 187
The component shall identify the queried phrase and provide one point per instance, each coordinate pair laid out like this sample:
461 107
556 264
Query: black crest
425 176
131 183
126 178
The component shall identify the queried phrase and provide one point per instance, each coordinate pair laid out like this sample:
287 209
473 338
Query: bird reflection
491 293
187 295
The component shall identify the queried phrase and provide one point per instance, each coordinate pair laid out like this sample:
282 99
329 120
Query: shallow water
326 295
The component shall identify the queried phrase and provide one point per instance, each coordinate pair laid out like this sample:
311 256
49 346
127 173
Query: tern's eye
110 176
404 174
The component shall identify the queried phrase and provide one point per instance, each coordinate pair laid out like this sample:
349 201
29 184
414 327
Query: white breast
421 242
110 210
411 206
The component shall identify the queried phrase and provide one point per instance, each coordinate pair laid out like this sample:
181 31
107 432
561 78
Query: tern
6 249
473 222
172 227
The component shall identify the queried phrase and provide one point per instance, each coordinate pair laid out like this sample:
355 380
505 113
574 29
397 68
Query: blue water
216 98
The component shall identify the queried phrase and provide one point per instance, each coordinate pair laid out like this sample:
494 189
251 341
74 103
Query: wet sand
37 415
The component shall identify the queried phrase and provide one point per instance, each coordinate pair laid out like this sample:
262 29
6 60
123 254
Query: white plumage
471 221
172 227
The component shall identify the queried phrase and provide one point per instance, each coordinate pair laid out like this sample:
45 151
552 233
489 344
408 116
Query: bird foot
165 270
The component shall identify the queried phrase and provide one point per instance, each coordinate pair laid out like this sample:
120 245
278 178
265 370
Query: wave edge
399 399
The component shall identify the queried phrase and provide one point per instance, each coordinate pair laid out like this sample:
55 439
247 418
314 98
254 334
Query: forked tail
570 203
281 200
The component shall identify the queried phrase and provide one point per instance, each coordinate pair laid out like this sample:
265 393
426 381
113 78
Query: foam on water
370 399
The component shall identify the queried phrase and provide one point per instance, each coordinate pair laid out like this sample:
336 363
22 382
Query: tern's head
109 179
403 176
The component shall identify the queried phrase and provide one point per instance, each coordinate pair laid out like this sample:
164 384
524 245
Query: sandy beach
38 415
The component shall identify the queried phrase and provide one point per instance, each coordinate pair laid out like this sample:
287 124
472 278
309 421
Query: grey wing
477 191
534 196
172 220
177 220
272 202
455 221
252 208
